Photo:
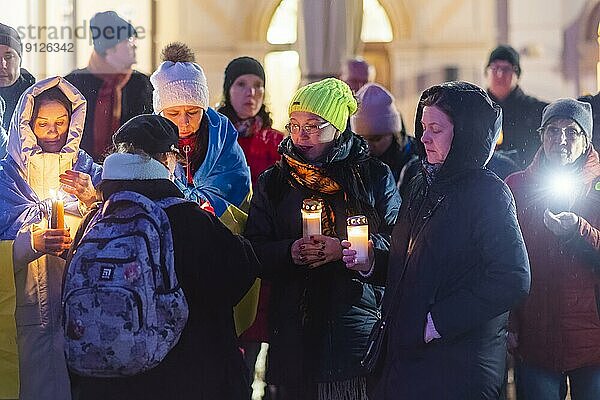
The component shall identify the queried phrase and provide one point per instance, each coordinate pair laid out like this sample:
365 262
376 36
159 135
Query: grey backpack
123 308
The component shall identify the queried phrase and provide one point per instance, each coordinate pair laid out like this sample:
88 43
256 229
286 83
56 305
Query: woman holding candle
321 313
457 262
43 159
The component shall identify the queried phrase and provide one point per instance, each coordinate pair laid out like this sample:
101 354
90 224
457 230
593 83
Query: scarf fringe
352 389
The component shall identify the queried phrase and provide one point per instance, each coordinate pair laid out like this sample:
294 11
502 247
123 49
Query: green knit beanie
330 99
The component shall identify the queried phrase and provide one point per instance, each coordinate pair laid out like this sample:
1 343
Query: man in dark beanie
115 92
521 113
555 332
13 79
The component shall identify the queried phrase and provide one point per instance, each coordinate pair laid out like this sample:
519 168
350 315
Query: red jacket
261 153
559 324
260 149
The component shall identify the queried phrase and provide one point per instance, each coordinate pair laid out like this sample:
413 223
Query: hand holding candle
358 236
51 241
349 257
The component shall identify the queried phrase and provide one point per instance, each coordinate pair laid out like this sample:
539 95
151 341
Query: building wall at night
432 41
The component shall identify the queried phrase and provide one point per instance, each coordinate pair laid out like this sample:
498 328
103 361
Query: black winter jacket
215 269
458 253
521 117
136 100
319 319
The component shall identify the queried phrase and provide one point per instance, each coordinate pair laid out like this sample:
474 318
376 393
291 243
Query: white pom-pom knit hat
179 84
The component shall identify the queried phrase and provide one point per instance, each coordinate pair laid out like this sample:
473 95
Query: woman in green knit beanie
321 313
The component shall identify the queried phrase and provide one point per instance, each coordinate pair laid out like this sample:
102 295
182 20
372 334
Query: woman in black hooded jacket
457 262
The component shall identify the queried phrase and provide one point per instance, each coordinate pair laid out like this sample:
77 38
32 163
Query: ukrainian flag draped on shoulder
224 177
224 180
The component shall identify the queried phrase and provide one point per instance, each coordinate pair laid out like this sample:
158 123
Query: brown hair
438 99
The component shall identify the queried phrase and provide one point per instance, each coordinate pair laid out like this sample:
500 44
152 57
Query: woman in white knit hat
214 169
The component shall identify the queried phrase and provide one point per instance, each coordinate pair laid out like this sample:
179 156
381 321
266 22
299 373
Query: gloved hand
561 224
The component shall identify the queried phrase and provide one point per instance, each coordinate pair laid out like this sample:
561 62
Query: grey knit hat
179 84
9 37
108 30
578 111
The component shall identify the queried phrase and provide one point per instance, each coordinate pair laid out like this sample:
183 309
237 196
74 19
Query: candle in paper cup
311 217
57 216
358 236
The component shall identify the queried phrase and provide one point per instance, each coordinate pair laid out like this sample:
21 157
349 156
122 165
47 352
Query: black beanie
108 30
506 53
151 133
241 66
9 37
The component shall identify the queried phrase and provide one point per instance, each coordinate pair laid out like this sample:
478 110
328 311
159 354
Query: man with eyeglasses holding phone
521 112
555 333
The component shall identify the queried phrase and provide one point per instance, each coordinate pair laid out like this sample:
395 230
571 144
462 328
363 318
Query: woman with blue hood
457 262
43 160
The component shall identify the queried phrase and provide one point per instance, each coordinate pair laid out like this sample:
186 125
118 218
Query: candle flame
57 194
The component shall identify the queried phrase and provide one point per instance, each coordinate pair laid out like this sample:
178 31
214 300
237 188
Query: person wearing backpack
43 156
214 267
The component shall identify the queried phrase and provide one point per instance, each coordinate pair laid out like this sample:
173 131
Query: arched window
282 63
376 26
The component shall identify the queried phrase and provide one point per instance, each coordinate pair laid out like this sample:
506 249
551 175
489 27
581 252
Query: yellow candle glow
358 236
57 218
311 217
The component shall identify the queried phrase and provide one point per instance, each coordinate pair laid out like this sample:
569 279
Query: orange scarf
107 116
314 178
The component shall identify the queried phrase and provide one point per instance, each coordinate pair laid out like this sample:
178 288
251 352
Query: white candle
311 217
358 236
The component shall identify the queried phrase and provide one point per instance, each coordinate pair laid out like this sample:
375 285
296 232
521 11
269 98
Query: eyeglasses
554 132
505 69
294 129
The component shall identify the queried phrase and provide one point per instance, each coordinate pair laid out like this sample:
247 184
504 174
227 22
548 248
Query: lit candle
358 236
311 217
57 216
